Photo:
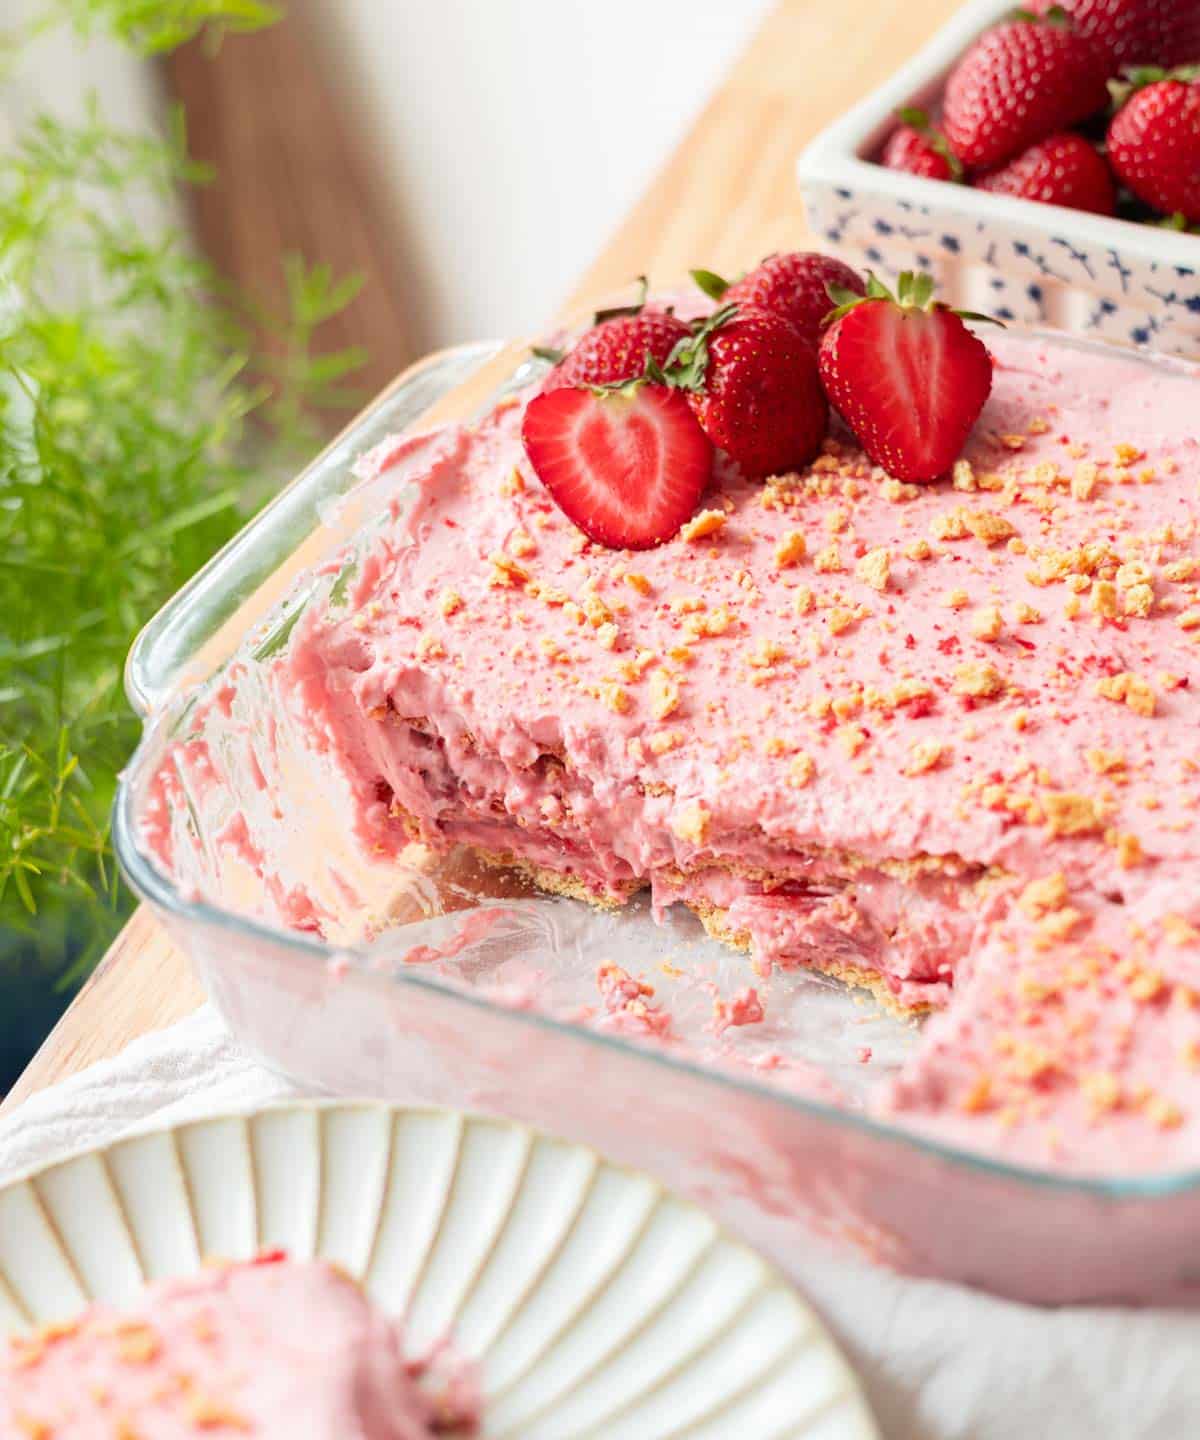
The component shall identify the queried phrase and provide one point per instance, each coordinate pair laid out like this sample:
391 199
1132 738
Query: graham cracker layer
555 882
836 865
716 924
856 977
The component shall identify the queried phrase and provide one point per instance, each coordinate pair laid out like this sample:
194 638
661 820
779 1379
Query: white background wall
515 134
511 135
58 74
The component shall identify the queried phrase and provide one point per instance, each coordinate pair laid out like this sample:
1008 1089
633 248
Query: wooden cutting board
726 198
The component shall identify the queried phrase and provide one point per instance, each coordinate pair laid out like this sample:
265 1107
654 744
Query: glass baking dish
778 1164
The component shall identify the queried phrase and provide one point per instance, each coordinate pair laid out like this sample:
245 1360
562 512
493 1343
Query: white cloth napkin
938 1362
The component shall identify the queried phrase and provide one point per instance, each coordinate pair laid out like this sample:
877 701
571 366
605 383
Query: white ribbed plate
594 1303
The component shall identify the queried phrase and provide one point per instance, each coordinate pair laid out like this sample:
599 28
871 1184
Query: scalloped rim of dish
838 157
247 1113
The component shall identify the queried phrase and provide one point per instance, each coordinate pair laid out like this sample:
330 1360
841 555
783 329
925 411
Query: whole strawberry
1061 170
1183 36
752 382
1018 83
919 148
617 348
795 286
1154 143
1133 32
906 375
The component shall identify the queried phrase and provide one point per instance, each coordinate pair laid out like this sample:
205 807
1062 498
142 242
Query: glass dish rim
473 354
153 886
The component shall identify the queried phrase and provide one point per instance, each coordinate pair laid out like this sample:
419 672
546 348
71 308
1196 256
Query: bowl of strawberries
1042 164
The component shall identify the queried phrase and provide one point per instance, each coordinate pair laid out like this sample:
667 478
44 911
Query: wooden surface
726 198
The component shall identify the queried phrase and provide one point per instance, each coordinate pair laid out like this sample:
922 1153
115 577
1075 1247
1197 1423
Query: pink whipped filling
281 1349
910 932
482 614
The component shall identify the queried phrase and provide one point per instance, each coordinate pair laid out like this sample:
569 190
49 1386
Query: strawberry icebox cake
867 633
270 1348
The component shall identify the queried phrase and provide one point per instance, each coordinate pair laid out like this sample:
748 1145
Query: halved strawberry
906 375
628 465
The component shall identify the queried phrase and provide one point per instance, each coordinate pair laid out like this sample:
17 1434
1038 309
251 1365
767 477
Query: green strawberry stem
917 119
914 291
686 364
1056 15
614 312
914 116
549 353
688 361
710 282
1137 77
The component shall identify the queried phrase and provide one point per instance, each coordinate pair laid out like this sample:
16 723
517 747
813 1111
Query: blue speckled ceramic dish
1028 263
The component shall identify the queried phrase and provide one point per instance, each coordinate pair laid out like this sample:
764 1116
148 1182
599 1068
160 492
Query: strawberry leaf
842 294
845 299
917 119
913 115
688 361
710 282
1135 77
614 312
549 353
914 291
1138 77
1056 15
877 290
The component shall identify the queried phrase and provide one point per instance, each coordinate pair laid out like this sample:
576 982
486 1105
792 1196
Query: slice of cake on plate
272 1349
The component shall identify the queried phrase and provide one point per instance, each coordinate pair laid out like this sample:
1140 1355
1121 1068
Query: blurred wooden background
293 177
